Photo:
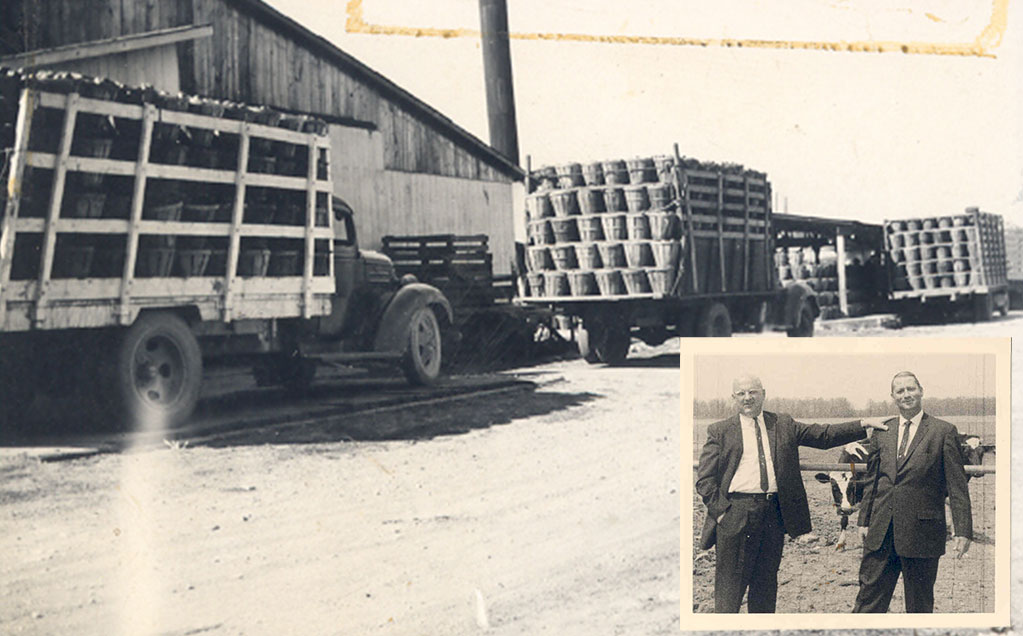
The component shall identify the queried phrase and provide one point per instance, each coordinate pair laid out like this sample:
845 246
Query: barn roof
283 24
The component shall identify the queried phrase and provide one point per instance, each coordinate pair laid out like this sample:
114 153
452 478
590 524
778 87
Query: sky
859 378
841 134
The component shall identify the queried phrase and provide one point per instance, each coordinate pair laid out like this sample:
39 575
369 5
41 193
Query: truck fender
796 295
392 336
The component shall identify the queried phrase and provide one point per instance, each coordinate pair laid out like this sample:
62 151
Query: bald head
748 394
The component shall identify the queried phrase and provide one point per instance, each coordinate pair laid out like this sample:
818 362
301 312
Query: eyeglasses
742 394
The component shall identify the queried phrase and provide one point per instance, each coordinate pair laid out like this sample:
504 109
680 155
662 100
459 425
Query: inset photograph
846 476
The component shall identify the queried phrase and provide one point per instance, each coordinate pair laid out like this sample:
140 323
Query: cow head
972 449
842 490
846 487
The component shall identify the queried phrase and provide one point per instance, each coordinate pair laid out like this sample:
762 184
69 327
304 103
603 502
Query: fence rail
862 468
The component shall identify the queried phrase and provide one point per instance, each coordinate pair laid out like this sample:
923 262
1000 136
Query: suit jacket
911 494
720 459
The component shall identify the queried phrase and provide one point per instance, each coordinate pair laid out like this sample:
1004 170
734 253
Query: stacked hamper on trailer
629 228
957 253
603 229
1014 264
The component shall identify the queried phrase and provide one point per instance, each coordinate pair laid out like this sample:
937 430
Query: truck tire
157 371
803 328
613 346
983 308
714 322
421 364
18 381
583 342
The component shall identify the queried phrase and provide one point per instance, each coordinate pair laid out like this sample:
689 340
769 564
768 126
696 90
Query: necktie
905 440
760 454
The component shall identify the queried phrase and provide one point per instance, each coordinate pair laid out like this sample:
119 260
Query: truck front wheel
423 356
804 327
714 322
157 372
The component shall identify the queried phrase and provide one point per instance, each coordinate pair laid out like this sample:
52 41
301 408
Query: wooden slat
84 49
124 311
745 239
237 214
15 183
721 231
56 200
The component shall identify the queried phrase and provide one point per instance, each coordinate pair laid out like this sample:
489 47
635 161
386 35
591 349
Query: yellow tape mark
989 38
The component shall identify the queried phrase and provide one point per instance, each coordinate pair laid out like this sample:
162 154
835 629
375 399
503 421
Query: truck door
346 251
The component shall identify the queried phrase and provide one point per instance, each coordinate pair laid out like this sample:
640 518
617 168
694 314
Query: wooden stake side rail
47 303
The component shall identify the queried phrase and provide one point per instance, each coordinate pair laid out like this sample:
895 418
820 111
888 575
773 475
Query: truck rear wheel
983 307
613 345
18 381
804 327
157 372
423 356
714 322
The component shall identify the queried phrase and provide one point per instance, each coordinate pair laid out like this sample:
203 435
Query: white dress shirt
747 475
914 424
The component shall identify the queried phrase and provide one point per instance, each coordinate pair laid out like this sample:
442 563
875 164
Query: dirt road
556 511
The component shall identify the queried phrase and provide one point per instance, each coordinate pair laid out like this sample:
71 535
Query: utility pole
497 74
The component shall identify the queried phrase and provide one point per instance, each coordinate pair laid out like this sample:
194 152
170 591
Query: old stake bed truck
144 232
656 247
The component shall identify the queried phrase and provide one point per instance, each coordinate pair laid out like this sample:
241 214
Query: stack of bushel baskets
89 195
603 229
819 271
946 254
1014 265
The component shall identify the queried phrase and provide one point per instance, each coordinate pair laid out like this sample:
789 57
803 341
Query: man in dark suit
902 516
749 479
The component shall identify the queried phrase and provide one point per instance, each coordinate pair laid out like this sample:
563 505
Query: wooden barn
404 167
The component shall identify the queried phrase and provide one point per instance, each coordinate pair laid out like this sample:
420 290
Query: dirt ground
817 577
555 511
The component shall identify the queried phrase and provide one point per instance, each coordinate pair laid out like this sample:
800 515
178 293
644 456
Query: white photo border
1000 348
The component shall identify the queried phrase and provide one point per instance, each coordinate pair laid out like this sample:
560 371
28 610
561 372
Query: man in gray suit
749 478
902 515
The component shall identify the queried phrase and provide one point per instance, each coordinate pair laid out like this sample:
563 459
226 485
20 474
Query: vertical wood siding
393 202
246 60
156 66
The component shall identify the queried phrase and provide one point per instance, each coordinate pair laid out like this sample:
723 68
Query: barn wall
157 66
395 202
248 61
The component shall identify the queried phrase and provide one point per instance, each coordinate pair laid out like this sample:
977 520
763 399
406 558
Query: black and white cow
847 486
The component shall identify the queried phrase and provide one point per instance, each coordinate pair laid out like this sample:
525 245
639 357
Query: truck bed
651 228
231 265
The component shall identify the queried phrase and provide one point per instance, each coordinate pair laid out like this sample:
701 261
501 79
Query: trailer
656 247
145 234
941 265
1014 265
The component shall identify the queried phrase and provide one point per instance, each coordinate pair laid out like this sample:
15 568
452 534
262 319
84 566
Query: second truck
656 247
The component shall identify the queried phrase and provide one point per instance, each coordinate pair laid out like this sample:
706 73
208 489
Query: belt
756 496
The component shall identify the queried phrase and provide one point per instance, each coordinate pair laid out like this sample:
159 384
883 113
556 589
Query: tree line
841 407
